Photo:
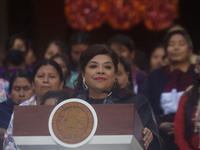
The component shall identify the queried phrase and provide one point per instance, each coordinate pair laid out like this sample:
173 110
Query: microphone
107 92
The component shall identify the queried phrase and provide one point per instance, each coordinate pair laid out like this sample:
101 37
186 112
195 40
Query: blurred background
43 21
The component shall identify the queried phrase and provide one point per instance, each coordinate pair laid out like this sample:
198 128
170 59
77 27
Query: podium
119 128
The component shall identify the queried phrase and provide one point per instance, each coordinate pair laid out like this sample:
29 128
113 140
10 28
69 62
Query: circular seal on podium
72 123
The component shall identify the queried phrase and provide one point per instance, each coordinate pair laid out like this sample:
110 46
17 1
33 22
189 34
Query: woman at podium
97 84
47 76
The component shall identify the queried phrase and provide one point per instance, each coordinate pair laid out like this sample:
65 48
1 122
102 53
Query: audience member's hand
167 127
147 137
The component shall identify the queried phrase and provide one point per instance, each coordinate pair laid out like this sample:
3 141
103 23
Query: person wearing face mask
165 85
47 76
22 43
20 89
97 84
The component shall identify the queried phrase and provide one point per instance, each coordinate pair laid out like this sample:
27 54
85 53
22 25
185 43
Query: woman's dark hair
14 57
170 34
65 59
122 40
86 56
127 67
48 62
62 46
176 25
98 49
53 94
189 108
11 40
21 74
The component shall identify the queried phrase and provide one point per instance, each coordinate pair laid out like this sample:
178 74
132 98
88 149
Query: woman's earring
85 87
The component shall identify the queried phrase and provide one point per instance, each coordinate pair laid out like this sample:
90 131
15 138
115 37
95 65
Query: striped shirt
6 110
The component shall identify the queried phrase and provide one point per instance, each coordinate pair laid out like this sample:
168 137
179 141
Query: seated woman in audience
165 85
54 97
78 43
63 61
20 90
124 76
55 47
97 84
124 45
47 76
156 58
175 27
187 127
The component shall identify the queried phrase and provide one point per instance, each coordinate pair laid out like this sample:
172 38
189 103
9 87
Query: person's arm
9 142
179 125
146 116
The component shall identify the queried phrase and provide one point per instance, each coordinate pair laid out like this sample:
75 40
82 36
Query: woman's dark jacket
143 107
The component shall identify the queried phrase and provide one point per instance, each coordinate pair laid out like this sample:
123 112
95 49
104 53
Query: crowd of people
166 94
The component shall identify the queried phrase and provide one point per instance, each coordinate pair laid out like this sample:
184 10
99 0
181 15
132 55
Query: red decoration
123 14
85 14
159 14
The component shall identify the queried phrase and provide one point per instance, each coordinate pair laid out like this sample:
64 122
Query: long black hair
189 108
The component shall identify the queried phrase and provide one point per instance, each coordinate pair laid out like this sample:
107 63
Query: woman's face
100 73
76 51
156 59
51 50
178 49
22 90
122 76
123 50
19 44
62 65
47 79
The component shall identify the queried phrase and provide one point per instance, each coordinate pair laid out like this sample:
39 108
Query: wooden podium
119 128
